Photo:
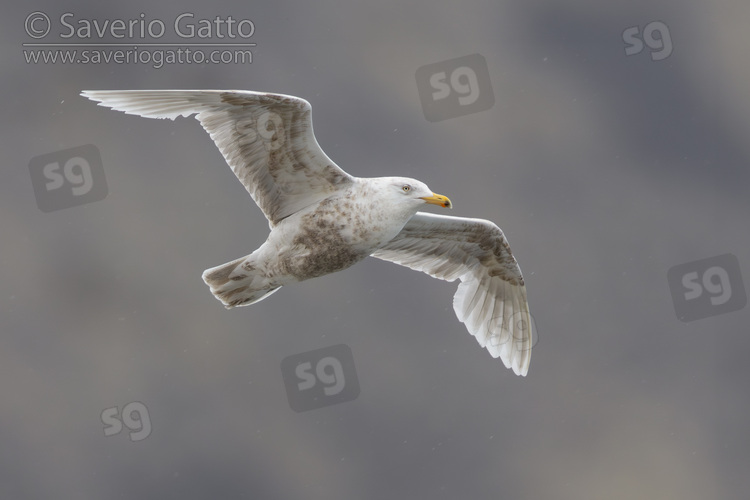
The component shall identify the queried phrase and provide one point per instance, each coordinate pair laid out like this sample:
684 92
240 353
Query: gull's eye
406 188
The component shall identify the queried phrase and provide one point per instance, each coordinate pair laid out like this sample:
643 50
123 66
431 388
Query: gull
323 220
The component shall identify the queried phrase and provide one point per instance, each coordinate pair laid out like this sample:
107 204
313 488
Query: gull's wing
491 299
267 139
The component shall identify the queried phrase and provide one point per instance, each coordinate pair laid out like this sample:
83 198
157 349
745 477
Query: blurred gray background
604 170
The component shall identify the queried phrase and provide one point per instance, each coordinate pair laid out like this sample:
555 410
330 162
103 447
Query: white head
411 194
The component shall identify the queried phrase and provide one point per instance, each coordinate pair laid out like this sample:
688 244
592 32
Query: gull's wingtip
155 103
93 95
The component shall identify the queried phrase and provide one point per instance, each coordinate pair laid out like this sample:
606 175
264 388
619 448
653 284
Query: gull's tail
237 283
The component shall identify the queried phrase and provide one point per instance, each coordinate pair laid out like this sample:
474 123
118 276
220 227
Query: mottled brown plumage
323 220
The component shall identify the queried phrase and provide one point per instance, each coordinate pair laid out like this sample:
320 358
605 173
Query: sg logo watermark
134 416
455 87
516 329
707 287
68 178
268 125
319 378
661 46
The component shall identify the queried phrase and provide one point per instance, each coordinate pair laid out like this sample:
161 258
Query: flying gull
324 220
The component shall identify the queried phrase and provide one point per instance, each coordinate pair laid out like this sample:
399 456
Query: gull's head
403 190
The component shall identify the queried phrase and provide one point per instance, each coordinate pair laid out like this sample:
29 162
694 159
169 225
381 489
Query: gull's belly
329 237
317 246
312 262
